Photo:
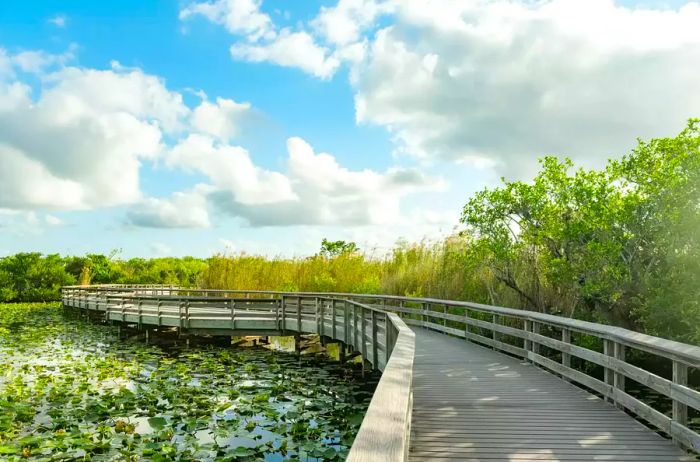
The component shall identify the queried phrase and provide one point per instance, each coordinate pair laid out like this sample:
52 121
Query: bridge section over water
523 387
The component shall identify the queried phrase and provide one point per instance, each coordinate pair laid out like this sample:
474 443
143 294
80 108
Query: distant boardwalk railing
563 346
382 338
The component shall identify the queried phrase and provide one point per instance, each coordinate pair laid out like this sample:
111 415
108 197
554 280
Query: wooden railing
382 338
576 350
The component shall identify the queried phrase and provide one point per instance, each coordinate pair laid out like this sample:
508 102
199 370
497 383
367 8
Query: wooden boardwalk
474 404
442 398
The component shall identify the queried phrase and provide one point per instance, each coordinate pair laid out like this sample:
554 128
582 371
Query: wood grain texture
474 404
383 435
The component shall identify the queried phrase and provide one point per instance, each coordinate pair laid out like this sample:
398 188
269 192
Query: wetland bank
73 390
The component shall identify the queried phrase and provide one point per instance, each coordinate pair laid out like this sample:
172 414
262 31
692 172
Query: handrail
545 340
382 338
687 354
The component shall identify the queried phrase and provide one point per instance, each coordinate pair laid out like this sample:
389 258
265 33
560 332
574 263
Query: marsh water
72 389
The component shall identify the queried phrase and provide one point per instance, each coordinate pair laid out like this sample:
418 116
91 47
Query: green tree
330 249
614 244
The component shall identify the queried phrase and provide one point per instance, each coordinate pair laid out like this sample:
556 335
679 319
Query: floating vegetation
71 390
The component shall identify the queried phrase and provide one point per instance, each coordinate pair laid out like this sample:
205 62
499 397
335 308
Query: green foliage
71 390
330 249
28 277
618 245
32 277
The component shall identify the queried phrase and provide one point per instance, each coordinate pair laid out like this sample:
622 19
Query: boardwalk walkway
474 404
470 403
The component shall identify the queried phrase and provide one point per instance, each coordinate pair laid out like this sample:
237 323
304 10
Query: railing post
444 311
299 314
187 314
619 379
494 333
388 336
535 330
284 314
333 309
565 357
362 331
608 374
466 324
566 338
319 314
680 377
232 311
354 326
140 313
346 323
527 327
375 345
424 309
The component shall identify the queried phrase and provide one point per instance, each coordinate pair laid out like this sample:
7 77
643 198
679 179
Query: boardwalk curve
441 398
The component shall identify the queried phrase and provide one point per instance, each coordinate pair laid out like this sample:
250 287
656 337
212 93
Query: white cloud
503 82
231 169
183 210
290 49
263 41
23 223
496 84
221 119
37 61
240 17
325 193
345 22
80 143
59 20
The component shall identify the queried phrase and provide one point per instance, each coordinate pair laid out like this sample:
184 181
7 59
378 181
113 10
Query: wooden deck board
471 403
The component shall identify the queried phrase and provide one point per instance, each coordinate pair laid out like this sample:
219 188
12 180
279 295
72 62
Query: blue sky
260 126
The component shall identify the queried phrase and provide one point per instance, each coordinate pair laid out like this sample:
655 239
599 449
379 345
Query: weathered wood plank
472 403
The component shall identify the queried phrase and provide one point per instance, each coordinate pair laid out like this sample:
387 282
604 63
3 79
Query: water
71 389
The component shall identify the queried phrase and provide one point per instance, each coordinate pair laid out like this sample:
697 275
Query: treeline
618 245
33 277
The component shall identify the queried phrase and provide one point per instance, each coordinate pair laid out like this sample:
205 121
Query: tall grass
448 269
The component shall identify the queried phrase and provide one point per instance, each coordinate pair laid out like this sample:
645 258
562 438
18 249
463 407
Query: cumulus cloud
345 22
262 41
498 83
326 193
230 168
502 82
221 119
36 61
290 49
80 143
182 210
237 16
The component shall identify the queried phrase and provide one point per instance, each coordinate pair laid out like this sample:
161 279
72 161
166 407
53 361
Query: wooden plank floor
474 404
